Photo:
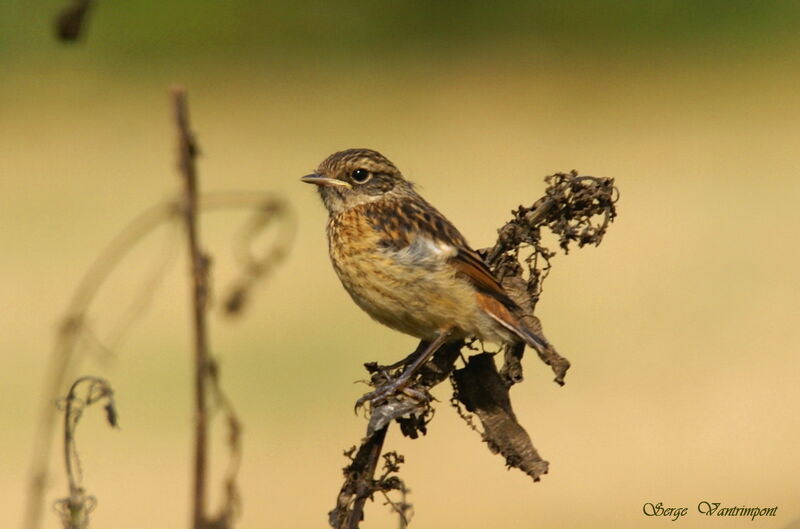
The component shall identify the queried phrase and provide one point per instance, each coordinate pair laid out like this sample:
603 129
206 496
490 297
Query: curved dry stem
75 508
63 360
231 498
74 331
268 211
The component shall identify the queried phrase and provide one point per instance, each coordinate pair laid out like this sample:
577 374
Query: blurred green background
682 327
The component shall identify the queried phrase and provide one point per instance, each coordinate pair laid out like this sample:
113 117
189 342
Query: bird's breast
402 281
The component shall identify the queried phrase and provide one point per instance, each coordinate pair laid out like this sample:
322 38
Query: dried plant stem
375 447
74 329
70 333
187 151
76 508
359 482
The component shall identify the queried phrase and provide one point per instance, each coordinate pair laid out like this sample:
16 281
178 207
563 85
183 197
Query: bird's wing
417 233
435 236
470 265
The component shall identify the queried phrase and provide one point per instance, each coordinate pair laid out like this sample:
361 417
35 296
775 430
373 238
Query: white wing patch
425 251
440 248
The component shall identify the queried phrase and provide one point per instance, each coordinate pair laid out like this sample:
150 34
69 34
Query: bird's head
348 178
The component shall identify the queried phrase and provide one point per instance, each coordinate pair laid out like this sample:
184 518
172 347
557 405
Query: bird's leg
423 345
400 383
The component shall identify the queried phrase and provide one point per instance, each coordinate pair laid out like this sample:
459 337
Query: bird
406 265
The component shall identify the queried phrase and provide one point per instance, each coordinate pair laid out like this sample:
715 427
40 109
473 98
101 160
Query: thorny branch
75 508
577 209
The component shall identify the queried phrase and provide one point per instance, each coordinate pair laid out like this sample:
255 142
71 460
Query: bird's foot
387 387
398 389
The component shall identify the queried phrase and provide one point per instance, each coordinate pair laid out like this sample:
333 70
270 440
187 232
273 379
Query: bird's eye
360 176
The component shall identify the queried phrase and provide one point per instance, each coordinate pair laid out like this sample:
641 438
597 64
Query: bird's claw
392 388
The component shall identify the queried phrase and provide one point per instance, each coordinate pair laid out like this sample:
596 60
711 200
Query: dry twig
75 508
199 265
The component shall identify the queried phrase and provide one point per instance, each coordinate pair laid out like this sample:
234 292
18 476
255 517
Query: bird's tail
537 342
499 313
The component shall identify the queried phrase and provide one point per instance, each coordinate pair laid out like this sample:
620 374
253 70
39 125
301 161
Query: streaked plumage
403 262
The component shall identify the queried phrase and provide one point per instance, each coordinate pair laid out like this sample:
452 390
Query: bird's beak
314 178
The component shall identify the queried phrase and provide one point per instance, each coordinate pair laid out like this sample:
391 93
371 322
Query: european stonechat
405 264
